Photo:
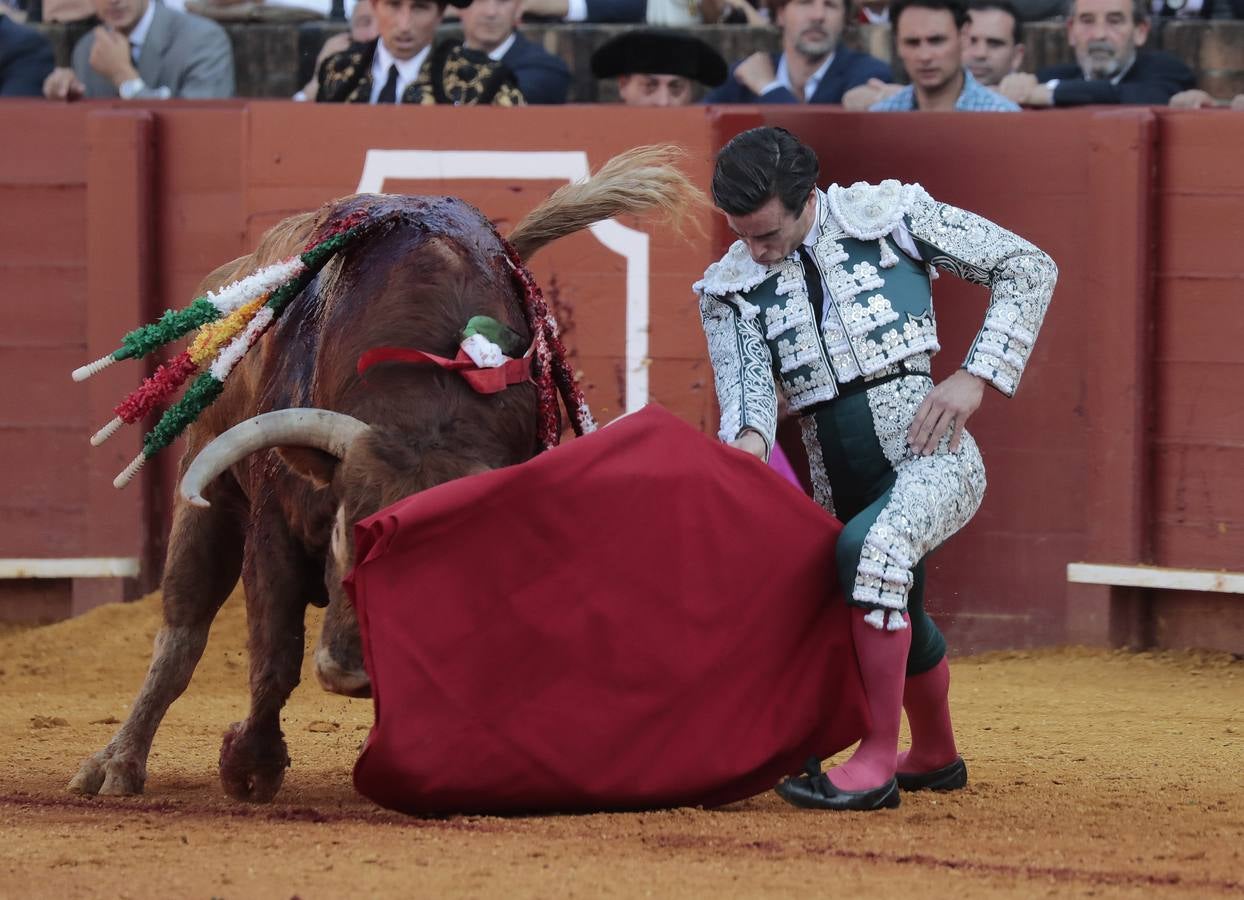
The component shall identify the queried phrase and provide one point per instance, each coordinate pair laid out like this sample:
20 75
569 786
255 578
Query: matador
826 296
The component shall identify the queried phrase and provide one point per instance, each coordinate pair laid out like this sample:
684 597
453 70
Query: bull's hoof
108 773
252 766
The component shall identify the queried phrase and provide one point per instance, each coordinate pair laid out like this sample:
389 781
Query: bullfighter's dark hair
760 164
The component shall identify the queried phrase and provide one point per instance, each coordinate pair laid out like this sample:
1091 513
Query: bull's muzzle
339 680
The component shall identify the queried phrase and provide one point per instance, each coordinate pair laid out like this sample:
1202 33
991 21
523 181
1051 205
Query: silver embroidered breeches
896 507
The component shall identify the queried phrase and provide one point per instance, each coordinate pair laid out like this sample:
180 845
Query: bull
299 446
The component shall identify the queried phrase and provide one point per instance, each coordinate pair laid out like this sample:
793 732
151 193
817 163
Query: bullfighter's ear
314 465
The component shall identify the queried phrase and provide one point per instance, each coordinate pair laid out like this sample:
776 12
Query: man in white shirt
489 26
813 66
402 66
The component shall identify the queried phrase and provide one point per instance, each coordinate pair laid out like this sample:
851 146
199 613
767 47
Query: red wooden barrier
1122 445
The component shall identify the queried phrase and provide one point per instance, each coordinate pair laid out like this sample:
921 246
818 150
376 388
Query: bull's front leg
202 565
280 579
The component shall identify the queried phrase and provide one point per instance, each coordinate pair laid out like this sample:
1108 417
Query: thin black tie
388 93
812 277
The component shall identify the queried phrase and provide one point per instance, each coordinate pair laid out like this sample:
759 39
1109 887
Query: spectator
146 51
994 47
929 36
362 29
25 60
402 66
1198 99
1106 36
657 68
489 27
813 67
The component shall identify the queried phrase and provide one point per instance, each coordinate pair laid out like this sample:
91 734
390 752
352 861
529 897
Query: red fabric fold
641 617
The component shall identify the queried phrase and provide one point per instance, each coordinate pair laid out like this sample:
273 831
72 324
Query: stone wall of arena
1124 446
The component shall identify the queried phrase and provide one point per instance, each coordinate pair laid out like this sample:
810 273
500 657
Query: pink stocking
883 661
926 699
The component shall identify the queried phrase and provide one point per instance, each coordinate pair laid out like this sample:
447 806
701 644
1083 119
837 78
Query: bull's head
366 470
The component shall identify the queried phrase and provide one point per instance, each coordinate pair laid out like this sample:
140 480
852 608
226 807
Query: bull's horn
332 432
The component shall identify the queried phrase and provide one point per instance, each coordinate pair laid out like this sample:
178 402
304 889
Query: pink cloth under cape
780 464
641 617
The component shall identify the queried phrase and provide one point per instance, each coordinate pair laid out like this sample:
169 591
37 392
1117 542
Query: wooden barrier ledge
1156 577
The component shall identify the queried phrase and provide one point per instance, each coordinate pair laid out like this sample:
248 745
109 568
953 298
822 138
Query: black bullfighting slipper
815 791
947 778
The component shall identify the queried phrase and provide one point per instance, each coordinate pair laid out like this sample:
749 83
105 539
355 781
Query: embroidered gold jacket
452 74
761 325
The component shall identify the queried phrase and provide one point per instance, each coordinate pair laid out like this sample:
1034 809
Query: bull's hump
435 214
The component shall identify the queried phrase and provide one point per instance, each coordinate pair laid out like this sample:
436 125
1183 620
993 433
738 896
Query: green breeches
896 508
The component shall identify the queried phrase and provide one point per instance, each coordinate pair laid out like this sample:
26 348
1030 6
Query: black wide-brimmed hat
658 51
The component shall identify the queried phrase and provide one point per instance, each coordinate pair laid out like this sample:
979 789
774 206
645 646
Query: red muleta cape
639 618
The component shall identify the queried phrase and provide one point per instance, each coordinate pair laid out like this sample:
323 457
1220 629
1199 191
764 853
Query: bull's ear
314 465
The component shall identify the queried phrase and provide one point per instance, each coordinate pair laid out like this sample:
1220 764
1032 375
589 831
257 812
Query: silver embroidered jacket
760 323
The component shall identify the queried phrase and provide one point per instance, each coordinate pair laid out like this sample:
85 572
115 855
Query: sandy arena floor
1093 774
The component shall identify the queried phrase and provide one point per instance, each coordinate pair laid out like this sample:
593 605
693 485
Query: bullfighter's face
407 26
773 232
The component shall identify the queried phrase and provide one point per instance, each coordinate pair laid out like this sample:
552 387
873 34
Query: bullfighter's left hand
946 407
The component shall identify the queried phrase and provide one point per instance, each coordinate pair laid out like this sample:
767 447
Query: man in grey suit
146 51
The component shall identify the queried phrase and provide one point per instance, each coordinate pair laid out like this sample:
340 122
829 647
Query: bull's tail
643 180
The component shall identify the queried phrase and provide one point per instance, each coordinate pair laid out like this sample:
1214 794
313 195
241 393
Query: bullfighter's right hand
63 84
